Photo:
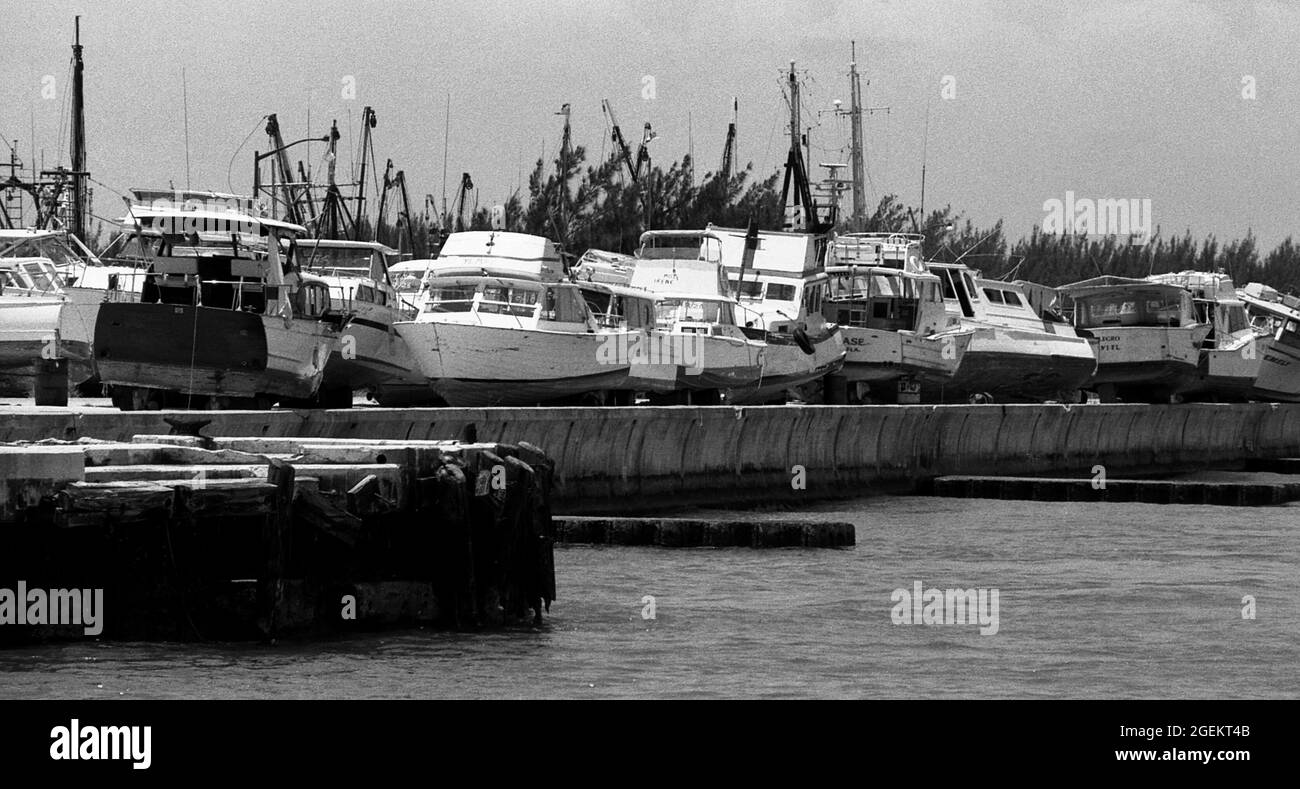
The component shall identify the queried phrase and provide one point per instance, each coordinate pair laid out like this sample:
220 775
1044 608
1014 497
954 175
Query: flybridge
777 252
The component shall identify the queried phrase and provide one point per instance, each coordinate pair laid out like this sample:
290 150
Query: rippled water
1095 601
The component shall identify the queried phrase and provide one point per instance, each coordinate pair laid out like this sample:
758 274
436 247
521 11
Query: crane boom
623 150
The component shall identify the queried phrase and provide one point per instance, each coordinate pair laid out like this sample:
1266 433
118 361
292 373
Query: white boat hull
475 365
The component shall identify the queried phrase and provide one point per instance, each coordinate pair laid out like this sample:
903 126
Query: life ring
804 342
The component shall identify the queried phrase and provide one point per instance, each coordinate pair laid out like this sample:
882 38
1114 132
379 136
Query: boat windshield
670 311
450 298
333 261
1129 309
48 247
509 300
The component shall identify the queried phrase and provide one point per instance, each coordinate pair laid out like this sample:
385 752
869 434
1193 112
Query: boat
33 314
1015 354
684 269
1232 352
1147 336
781 290
500 324
83 279
240 324
1276 316
899 336
369 355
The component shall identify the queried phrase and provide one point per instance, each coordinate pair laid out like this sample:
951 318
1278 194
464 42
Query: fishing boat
369 355
1232 352
225 318
1147 336
781 288
1014 355
500 324
83 279
899 336
684 269
1276 316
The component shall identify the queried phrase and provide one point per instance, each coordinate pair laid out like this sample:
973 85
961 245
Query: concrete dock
622 461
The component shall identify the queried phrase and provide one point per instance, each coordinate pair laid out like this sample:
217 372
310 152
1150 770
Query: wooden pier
194 538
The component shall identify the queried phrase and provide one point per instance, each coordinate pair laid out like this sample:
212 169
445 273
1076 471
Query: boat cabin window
1128 309
365 293
945 278
509 300
993 295
563 305
670 311
312 300
970 287
749 289
450 298
672 247
812 298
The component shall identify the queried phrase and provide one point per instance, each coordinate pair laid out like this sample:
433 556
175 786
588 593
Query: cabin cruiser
84 280
781 294
1233 351
500 324
1015 354
225 319
369 355
1147 336
34 316
900 338
1277 317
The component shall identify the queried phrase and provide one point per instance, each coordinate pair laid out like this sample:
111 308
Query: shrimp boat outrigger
500 324
225 319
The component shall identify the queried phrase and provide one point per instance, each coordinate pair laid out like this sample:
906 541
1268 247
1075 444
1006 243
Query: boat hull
31 328
1014 365
787 367
369 354
1146 363
1279 373
209 351
475 365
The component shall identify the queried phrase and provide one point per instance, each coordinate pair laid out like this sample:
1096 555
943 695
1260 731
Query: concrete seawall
616 460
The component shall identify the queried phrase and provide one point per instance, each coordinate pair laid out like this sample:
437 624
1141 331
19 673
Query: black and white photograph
502 350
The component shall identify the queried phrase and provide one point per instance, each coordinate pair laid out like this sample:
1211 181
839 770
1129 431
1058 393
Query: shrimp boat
1147 336
781 295
369 355
1014 355
1276 317
684 269
900 338
1232 353
33 315
500 325
225 318
83 280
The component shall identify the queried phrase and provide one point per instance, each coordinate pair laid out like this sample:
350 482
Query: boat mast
795 170
79 173
367 123
859 192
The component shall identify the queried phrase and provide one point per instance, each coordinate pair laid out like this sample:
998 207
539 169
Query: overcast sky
1107 100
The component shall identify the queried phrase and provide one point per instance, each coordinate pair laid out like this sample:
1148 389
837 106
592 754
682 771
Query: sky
1191 105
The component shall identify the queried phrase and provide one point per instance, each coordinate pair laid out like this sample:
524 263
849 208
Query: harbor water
1094 601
